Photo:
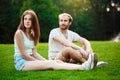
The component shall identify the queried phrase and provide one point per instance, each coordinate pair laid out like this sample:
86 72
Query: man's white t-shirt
56 47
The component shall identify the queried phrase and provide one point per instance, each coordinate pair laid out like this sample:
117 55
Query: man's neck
64 31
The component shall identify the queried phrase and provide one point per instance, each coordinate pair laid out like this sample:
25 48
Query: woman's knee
53 64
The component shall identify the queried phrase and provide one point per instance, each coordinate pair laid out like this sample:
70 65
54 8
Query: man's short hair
66 14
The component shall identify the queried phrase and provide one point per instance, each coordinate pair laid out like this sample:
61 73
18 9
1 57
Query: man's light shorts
60 57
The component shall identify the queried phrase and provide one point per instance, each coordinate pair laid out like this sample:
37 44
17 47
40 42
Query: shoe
101 63
91 62
95 60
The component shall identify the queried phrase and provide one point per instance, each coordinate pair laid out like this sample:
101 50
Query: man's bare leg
70 53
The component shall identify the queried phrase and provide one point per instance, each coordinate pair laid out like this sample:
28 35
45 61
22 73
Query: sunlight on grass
106 51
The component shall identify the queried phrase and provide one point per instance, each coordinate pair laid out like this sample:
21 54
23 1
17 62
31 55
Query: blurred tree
5 21
8 19
91 20
47 13
85 25
104 20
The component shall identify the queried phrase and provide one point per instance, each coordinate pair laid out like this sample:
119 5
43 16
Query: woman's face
27 21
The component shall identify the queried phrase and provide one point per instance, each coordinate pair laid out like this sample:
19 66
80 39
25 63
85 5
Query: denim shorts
19 62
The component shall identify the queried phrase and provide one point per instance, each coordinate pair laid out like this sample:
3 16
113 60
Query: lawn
106 51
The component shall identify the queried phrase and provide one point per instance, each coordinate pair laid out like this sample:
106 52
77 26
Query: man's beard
64 27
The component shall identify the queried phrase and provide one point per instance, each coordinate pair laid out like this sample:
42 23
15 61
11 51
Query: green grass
107 51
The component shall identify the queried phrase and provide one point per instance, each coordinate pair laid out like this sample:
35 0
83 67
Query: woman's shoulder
18 33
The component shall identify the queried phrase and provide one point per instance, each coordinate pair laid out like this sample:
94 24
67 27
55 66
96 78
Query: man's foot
101 63
95 60
91 62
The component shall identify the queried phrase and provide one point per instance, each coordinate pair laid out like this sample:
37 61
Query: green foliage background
90 17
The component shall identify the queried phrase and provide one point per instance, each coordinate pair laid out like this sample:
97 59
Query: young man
61 46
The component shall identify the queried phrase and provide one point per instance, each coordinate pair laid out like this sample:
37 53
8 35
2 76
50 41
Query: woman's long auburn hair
35 28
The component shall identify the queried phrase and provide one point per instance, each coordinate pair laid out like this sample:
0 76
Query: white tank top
29 44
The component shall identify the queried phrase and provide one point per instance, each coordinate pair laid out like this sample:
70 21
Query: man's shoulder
54 32
70 31
54 29
73 33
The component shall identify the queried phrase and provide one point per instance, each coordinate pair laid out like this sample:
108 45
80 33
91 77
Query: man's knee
67 49
67 52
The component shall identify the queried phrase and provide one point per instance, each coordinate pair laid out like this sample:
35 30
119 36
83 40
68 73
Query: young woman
26 57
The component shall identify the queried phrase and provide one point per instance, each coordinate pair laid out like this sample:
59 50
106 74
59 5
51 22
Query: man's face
64 22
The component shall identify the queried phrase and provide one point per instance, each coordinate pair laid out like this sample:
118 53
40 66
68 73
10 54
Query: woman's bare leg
57 65
51 64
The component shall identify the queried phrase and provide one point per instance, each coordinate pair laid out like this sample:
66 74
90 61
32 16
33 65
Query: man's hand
83 52
89 51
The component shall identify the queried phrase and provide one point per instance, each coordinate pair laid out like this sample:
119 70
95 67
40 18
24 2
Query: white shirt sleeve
54 33
73 36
